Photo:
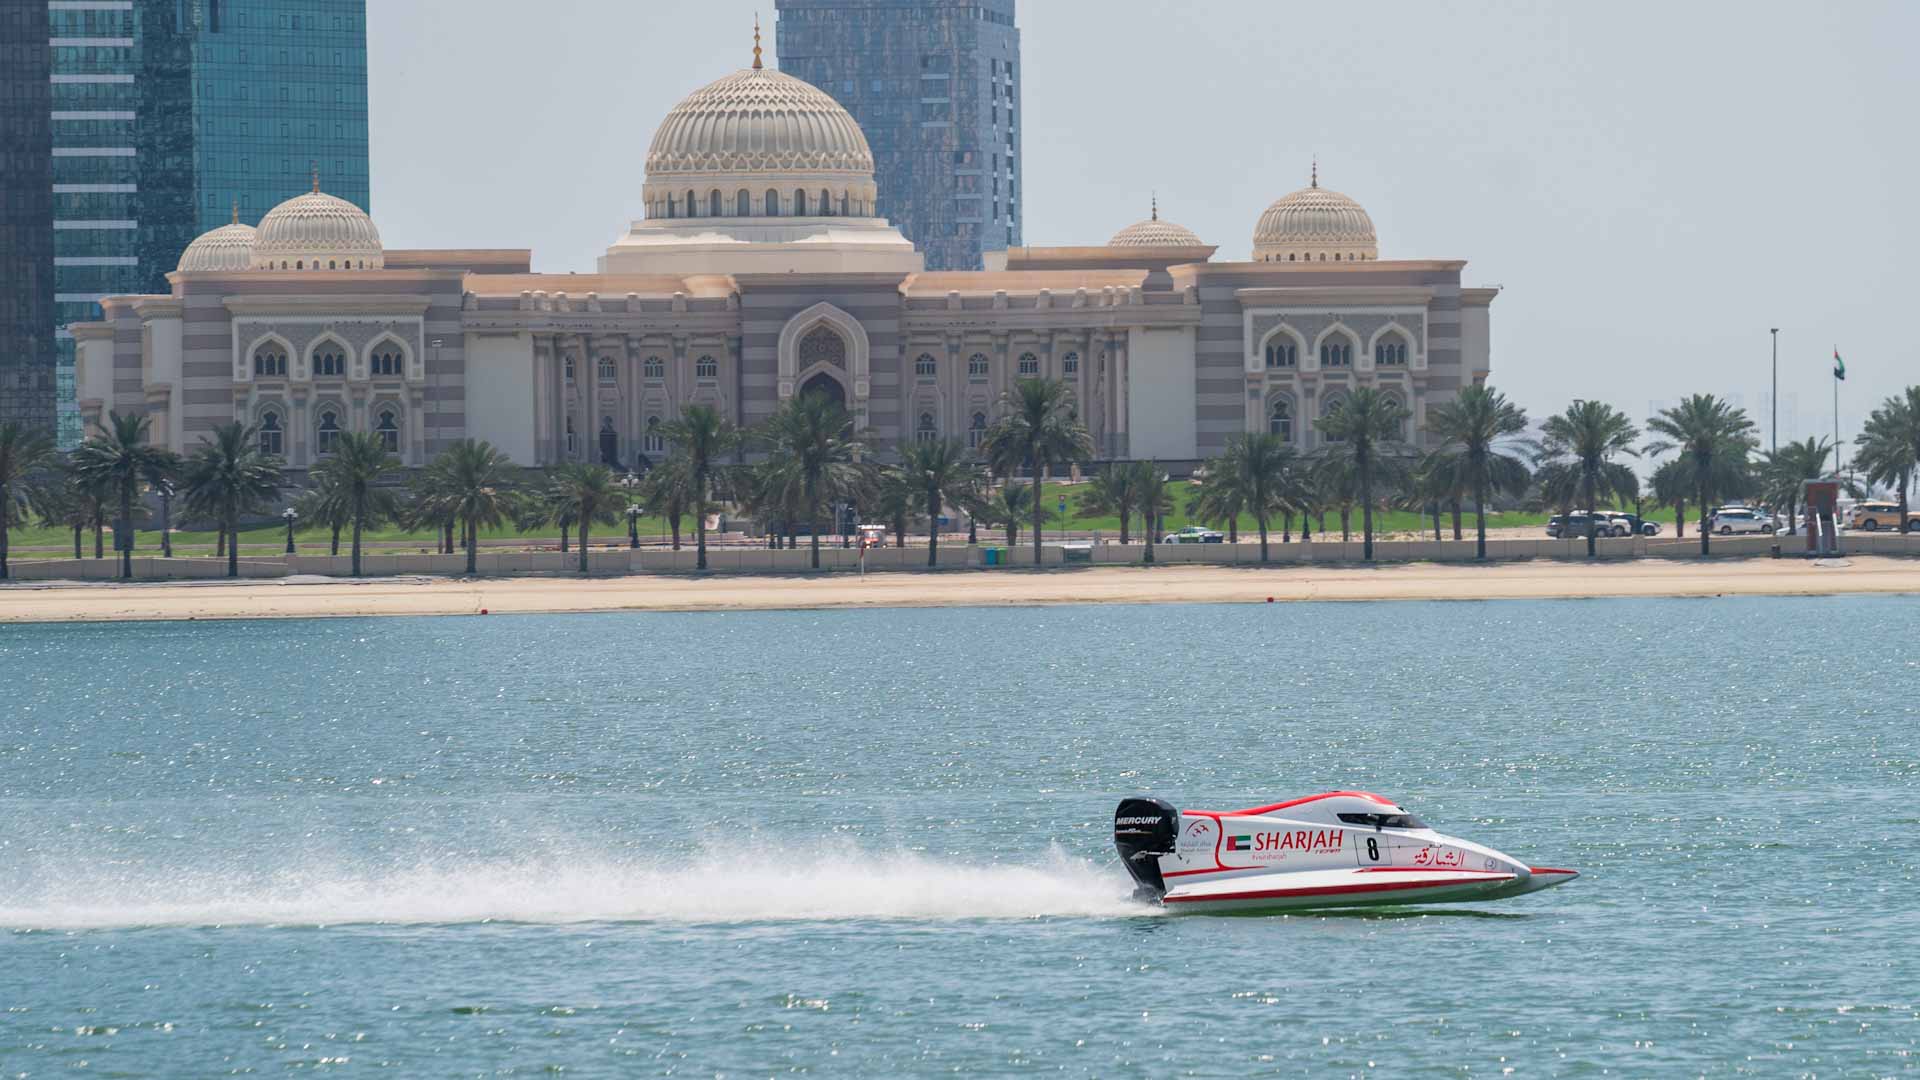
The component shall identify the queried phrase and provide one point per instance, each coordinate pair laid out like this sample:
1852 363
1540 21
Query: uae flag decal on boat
1240 843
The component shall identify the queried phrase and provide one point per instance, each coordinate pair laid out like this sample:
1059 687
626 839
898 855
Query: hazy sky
1654 185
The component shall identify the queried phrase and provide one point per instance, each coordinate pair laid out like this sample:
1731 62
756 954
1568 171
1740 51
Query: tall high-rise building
170 117
26 217
935 84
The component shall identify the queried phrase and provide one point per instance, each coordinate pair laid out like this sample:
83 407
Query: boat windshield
1385 821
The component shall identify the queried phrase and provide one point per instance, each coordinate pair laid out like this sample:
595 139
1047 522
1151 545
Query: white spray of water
740 886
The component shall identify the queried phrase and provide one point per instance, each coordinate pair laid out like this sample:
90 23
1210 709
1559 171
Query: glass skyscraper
935 86
26 217
168 117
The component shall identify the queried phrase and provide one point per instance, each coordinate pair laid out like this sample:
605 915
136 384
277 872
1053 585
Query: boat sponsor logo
1442 858
1274 846
1153 819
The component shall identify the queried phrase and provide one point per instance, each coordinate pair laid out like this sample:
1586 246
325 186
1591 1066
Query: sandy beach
289 598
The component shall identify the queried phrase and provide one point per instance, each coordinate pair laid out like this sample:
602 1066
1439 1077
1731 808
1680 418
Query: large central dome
759 143
1315 224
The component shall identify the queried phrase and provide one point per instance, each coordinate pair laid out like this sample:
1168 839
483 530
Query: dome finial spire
236 212
1156 206
315 167
756 41
1316 170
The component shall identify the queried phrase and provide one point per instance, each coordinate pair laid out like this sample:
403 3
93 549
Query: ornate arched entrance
826 385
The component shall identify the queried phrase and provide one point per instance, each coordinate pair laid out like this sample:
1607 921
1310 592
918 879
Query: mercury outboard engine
1144 829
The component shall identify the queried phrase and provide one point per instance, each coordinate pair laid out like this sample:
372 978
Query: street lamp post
631 484
1775 332
292 516
165 487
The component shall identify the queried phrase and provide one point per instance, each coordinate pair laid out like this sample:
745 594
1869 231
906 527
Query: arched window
925 366
799 204
1029 365
822 345
655 442
269 362
826 203
1336 352
329 362
713 203
608 372
299 264
1070 364
569 368
387 430
327 432
923 430
773 203
843 204
1280 420
654 368
1331 404
706 368
387 361
573 441
1281 353
743 204
671 200
1291 258
693 204
272 436
1390 351
977 366
976 430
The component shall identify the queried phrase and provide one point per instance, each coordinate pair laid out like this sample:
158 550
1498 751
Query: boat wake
737 887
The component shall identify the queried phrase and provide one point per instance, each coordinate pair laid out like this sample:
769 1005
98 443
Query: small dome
1315 224
759 121
1155 233
317 231
227 248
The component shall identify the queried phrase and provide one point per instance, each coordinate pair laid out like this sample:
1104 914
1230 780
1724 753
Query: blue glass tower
935 87
169 116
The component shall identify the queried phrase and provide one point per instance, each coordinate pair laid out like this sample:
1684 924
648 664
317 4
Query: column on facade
737 366
1307 423
1002 366
541 405
298 428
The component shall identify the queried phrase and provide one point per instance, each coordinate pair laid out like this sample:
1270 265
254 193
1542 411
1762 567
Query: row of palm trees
808 457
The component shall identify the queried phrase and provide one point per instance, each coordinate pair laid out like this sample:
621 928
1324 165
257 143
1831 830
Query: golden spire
1316 170
315 166
756 41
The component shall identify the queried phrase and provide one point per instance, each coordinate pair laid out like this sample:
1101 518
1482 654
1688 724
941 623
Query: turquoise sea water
877 843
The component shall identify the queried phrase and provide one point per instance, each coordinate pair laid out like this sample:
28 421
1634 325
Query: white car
1741 519
1194 534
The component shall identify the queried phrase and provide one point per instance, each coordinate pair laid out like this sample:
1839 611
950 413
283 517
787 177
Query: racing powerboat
1332 850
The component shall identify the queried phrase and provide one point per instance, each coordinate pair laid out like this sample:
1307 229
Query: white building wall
500 393
1160 394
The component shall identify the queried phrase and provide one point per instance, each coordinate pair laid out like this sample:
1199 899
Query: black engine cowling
1143 830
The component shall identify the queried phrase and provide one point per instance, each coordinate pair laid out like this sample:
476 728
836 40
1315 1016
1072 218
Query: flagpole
1836 426
1776 388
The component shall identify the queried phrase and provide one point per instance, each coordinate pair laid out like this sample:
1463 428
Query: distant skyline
1654 186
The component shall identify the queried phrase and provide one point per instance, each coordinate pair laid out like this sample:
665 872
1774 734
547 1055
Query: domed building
759 171
759 272
1315 224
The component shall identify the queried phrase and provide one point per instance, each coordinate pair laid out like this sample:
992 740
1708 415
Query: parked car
1874 515
1575 526
1194 534
1740 519
1624 524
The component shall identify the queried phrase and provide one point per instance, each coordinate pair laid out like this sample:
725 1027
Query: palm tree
474 483
668 492
1008 506
58 503
1672 485
1588 436
1111 493
1263 473
359 462
25 454
940 472
1783 472
1479 431
1364 431
1214 497
1038 426
1889 445
705 437
1715 439
544 505
228 476
324 504
1428 486
895 497
117 458
813 433
1151 481
595 495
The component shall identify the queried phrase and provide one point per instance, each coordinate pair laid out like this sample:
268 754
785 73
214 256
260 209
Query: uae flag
1239 843
1839 366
